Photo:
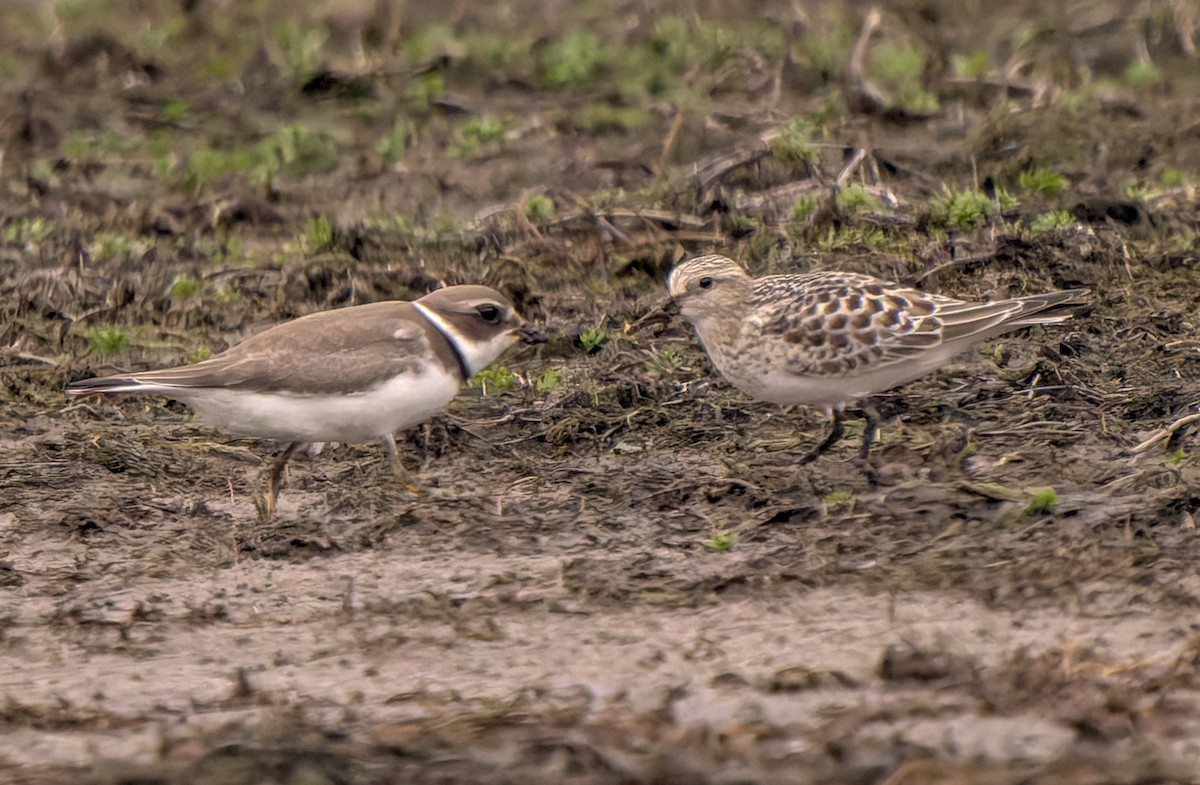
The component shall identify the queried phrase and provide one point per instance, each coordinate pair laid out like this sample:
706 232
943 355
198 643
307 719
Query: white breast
401 402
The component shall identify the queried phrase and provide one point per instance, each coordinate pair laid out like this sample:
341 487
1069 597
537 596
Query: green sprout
1044 181
962 209
186 288
1042 502
475 133
548 381
721 541
107 340
834 498
575 61
793 145
495 380
539 207
592 339
855 197
318 234
664 362
1055 220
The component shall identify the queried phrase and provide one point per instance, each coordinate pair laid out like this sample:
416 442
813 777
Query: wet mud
615 570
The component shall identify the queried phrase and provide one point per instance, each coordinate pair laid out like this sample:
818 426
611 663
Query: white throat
475 355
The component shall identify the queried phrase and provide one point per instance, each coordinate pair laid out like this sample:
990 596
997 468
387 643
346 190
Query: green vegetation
721 541
972 66
318 235
394 143
855 197
1055 220
592 339
793 145
200 355
803 208
900 70
834 498
1043 501
106 340
575 61
548 381
186 287
1043 181
1142 75
964 209
475 133
301 47
664 362
539 207
28 231
175 111
495 380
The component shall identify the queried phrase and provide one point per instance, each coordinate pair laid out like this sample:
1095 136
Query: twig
1166 433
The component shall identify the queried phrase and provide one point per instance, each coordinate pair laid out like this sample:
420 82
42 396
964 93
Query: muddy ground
615 572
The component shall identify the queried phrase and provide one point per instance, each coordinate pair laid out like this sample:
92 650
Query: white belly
361 417
788 389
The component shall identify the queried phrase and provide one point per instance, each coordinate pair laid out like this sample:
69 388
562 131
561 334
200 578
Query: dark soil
624 576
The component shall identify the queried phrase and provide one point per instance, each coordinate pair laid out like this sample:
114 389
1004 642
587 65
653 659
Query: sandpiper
355 374
830 338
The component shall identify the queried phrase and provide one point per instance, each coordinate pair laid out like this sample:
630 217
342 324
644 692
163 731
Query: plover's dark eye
706 282
489 313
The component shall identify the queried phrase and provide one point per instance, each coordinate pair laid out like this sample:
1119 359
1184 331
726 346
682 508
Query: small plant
301 47
1044 181
186 288
592 339
200 355
972 66
793 145
962 209
475 133
1054 220
539 207
548 381
108 245
176 111
664 362
803 208
721 541
1172 177
900 69
834 498
852 237
394 143
1042 502
106 340
856 197
1142 75
575 61
1178 457
28 231
318 234
495 380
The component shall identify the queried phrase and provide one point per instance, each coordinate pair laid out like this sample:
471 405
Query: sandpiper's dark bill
356 374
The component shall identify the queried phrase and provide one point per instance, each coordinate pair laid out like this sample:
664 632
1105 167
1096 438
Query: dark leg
870 417
835 432
275 477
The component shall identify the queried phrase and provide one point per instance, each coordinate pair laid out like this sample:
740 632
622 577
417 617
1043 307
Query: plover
830 338
356 374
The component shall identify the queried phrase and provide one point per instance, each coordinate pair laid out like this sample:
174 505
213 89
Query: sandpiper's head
707 285
479 321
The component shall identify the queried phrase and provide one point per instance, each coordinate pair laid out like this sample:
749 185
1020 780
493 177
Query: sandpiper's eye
706 282
489 313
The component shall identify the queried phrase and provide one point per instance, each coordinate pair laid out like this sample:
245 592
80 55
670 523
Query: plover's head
707 285
479 321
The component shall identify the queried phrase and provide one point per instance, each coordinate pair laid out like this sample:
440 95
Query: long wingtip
105 385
